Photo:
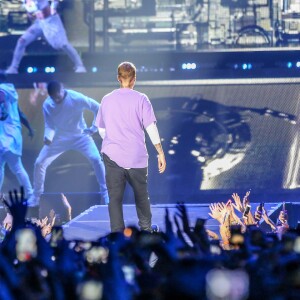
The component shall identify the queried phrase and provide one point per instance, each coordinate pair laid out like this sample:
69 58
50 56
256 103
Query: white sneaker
33 201
11 70
80 69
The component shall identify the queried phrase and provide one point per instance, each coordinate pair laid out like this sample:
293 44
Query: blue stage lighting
249 66
289 64
94 69
244 66
298 64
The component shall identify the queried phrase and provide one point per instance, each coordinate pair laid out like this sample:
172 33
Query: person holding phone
47 24
123 116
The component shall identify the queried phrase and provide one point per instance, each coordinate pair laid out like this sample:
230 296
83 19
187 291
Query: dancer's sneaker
11 70
80 69
33 201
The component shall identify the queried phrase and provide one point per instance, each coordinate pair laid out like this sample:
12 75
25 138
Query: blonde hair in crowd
127 70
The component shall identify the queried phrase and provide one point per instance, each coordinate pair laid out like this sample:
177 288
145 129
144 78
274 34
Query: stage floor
93 223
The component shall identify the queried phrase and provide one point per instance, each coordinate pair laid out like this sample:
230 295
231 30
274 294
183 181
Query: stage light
249 66
235 66
31 70
94 69
289 64
188 66
298 64
49 69
244 66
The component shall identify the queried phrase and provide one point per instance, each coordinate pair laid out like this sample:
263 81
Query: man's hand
161 162
91 130
31 133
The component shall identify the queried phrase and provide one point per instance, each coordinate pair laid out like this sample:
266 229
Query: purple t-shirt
125 113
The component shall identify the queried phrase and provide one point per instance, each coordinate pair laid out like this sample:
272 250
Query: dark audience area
180 261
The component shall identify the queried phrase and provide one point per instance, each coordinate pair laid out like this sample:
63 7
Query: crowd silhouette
182 261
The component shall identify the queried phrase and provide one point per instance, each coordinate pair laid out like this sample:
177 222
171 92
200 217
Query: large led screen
217 136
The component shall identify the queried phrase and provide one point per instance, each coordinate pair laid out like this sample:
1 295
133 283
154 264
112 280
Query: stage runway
94 222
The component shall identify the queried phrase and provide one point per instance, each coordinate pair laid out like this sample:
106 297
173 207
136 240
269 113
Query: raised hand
246 199
258 213
233 216
237 202
67 206
283 216
182 213
225 235
17 206
180 233
168 224
217 211
267 219
7 222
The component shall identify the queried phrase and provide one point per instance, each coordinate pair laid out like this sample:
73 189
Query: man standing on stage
11 118
47 24
66 129
122 117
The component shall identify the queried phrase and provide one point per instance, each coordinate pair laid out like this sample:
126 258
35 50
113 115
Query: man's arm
26 123
155 139
49 128
3 107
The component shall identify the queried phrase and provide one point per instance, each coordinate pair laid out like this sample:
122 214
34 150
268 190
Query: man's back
124 115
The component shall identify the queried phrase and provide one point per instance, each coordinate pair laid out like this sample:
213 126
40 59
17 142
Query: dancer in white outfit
66 129
11 118
47 24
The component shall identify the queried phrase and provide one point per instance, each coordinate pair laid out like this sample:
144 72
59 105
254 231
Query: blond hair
127 70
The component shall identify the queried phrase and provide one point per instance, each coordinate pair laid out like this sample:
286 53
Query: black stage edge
230 64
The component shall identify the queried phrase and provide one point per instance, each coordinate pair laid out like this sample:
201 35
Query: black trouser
116 178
